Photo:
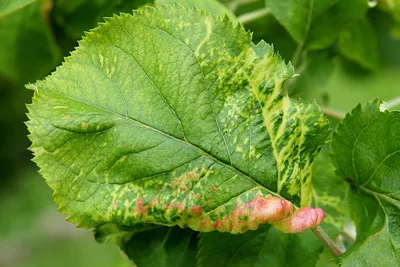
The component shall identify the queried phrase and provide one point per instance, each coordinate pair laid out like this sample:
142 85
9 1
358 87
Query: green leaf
391 6
264 247
211 6
325 29
28 50
9 6
150 245
173 117
358 43
316 23
318 67
268 29
347 87
76 17
329 190
365 152
297 15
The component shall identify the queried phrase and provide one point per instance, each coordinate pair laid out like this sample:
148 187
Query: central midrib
200 150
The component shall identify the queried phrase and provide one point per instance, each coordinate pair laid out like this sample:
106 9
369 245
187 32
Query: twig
336 251
331 113
391 103
348 237
254 15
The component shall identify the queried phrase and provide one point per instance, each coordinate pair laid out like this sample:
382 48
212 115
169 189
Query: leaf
173 117
297 15
268 29
76 17
151 245
365 152
347 87
329 190
211 6
26 41
391 6
325 29
316 23
318 69
10 6
264 247
358 43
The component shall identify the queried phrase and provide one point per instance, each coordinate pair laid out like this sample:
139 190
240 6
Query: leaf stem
336 251
348 237
391 103
254 15
331 113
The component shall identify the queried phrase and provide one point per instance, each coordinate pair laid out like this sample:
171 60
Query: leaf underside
172 116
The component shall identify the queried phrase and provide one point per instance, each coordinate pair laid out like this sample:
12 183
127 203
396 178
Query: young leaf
173 117
366 153
264 247
150 245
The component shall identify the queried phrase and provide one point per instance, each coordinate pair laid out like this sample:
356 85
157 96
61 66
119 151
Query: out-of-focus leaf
27 48
151 245
365 152
268 29
325 29
211 6
297 15
10 6
347 87
316 23
358 43
264 247
391 6
315 74
77 16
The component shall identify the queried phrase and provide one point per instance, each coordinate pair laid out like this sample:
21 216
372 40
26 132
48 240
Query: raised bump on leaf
301 220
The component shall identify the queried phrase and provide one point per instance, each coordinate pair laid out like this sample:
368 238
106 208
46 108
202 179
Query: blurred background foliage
346 52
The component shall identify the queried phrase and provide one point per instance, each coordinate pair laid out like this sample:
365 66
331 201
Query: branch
254 15
233 6
336 251
331 113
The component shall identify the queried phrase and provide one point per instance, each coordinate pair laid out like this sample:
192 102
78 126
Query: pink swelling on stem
301 220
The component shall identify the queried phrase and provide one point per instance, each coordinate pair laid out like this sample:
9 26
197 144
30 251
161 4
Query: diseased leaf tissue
172 116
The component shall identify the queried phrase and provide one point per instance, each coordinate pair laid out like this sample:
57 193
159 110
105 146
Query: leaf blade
139 148
364 161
